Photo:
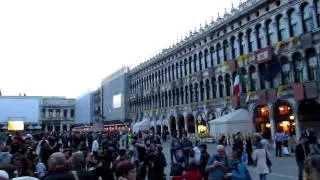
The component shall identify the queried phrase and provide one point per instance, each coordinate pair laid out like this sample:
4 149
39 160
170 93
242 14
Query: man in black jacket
301 152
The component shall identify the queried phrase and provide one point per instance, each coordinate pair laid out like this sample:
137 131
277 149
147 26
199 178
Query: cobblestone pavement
283 168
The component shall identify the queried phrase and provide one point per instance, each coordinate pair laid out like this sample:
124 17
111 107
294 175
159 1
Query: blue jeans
263 176
300 170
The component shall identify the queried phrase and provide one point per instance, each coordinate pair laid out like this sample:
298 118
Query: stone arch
172 125
202 124
261 120
181 125
283 111
191 123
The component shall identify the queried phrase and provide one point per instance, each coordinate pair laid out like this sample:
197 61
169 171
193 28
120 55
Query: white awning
152 122
142 125
158 122
236 121
165 122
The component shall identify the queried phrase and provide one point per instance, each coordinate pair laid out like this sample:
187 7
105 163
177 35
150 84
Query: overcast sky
65 47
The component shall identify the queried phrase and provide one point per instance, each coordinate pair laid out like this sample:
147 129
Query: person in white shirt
95 145
197 153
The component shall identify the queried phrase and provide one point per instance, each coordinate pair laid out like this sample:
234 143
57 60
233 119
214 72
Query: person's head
220 150
233 156
312 168
126 169
203 147
67 153
122 152
57 161
77 160
159 149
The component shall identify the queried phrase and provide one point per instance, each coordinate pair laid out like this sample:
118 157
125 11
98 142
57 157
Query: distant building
115 98
84 108
58 113
97 104
20 108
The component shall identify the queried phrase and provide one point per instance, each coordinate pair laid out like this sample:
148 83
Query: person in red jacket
192 173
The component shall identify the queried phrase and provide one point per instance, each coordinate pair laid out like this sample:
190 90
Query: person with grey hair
58 168
78 165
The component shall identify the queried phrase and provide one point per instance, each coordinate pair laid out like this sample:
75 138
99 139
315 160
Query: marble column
53 128
296 120
69 113
272 120
61 127
46 127
186 125
46 113
61 113
68 127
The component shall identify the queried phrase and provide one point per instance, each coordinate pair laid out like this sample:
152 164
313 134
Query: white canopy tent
142 125
236 121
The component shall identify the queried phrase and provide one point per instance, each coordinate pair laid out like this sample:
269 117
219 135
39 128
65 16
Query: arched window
312 63
250 39
271 35
206 58
260 36
253 78
306 14
169 73
207 89
200 61
177 70
228 84
317 4
214 88
182 95
226 50
241 43
195 64
196 91
190 65
212 57
220 82
293 22
298 67
186 94
185 67
201 91
233 47
219 53
282 28
191 93
285 70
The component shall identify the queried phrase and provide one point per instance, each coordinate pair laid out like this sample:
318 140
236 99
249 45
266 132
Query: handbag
268 161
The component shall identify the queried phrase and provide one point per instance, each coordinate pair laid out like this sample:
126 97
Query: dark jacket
301 151
60 174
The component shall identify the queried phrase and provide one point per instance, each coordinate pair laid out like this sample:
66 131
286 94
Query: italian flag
237 82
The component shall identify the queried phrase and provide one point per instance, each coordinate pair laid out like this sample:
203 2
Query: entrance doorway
173 128
284 119
261 120
191 124
181 128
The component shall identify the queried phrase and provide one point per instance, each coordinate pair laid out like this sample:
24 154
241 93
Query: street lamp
291 117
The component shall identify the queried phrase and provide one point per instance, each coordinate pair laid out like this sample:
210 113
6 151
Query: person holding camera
217 165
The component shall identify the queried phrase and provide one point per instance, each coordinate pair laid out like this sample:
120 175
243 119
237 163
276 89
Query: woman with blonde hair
260 158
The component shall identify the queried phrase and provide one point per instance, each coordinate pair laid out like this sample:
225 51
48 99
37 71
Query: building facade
57 113
97 104
275 44
20 108
84 108
115 91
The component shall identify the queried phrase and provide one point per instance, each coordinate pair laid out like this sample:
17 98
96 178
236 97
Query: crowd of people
130 156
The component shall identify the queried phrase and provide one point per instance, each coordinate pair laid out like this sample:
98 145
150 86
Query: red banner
264 54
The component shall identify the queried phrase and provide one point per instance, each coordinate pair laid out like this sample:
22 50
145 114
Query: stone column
46 127
272 120
47 113
237 46
186 125
68 127
61 127
54 113
61 113
205 97
296 120
254 36
246 46
53 128
69 113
